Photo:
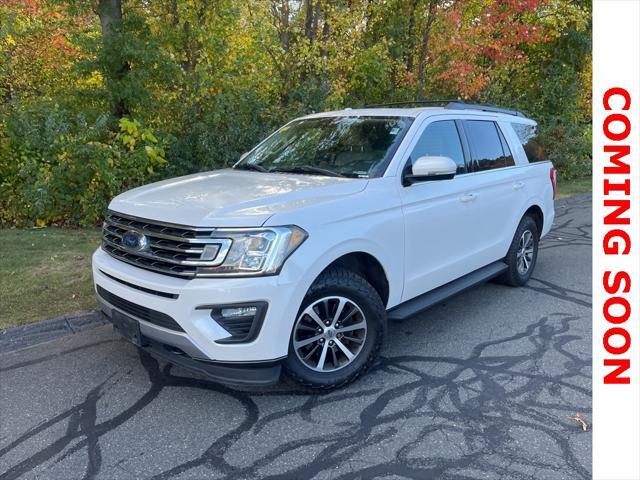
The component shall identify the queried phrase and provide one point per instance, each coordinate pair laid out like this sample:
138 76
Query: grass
45 273
568 188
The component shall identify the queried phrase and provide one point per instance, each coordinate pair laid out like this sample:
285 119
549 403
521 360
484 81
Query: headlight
260 251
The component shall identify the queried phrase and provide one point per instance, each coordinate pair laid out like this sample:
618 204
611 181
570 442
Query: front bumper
175 350
198 333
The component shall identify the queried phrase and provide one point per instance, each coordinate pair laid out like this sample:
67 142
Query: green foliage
172 88
60 168
569 145
370 79
216 136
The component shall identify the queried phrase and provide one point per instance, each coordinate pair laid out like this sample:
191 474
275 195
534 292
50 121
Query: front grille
169 249
143 313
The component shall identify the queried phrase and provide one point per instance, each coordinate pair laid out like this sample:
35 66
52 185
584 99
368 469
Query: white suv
296 257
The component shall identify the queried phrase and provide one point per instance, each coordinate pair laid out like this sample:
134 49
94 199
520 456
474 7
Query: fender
393 272
547 218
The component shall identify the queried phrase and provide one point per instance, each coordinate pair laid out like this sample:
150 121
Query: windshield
337 146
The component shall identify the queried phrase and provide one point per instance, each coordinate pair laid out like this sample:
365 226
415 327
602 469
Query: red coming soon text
617 241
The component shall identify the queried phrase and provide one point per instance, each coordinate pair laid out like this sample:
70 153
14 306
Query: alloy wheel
329 334
525 252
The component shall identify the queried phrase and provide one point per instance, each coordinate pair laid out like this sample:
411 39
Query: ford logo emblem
135 241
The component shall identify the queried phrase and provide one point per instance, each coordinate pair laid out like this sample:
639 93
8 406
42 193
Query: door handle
518 185
468 197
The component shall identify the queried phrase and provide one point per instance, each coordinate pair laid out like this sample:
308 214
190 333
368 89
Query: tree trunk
308 19
280 16
412 27
175 16
326 33
110 14
424 47
316 18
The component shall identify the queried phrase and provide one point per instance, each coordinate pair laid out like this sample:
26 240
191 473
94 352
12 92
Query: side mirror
430 168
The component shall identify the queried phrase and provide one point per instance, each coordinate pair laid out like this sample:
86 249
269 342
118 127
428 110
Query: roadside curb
17 338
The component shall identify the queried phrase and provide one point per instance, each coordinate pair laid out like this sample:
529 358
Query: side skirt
437 295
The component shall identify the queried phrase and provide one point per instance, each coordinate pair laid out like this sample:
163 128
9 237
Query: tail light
553 177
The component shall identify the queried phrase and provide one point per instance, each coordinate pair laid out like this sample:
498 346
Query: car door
439 215
498 189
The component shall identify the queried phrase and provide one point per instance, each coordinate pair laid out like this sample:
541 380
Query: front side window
337 146
489 149
528 136
440 139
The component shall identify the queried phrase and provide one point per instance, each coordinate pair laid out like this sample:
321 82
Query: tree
115 66
208 79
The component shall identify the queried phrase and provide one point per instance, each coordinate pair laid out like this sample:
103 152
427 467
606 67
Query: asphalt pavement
484 386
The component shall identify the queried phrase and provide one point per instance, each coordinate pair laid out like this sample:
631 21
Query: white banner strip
616 239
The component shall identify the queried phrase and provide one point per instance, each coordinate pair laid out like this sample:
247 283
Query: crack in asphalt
494 411
563 293
489 412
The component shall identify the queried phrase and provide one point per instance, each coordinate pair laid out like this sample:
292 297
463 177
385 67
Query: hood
231 198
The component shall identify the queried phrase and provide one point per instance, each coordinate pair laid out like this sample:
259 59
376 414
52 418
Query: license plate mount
128 327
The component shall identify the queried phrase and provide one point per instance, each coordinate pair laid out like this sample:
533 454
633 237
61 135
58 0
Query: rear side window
528 136
440 139
489 149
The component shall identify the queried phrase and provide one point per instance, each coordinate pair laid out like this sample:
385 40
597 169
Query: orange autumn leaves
34 46
475 40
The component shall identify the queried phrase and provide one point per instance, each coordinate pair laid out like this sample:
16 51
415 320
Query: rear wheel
523 253
338 331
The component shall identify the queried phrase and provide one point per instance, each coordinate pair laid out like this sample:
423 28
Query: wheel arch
366 265
382 267
535 211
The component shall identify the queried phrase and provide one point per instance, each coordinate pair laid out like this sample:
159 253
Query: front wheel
338 331
523 253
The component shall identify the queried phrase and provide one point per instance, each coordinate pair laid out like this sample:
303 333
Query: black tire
338 282
514 276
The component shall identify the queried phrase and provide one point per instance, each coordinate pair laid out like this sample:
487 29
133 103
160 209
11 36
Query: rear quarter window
528 136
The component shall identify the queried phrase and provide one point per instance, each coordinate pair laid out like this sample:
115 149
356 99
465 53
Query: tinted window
528 136
489 150
440 139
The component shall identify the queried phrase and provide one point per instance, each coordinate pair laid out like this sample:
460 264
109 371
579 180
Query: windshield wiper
306 169
251 166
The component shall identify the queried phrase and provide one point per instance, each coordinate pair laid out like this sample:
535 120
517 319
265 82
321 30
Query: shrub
568 145
60 168
217 132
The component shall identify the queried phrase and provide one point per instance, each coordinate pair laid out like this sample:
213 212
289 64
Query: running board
437 295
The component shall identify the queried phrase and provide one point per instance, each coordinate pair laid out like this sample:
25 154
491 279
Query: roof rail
458 105
452 105
411 102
